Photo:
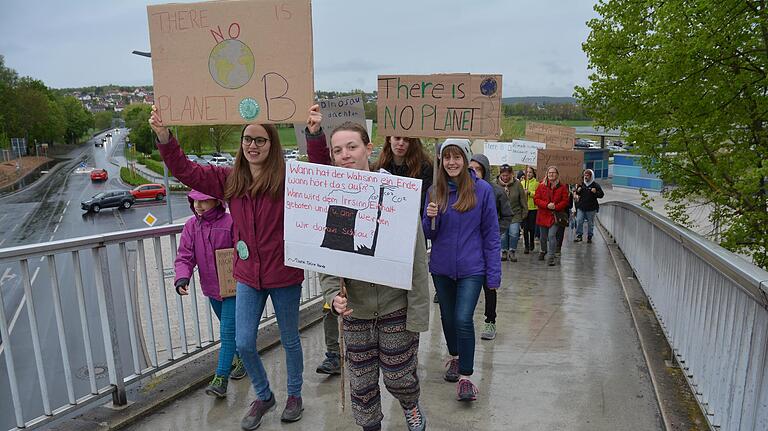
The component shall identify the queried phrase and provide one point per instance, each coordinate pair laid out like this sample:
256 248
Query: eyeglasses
258 140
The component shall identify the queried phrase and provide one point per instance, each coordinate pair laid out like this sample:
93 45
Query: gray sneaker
415 419
331 365
217 387
293 409
512 257
238 369
489 331
452 373
259 408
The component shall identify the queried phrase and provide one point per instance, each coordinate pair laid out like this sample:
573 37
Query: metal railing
712 306
98 319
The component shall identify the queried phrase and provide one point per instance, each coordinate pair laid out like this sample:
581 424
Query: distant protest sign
224 272
232 62
355 224
570 164
556 137
516 152
335 113
450 105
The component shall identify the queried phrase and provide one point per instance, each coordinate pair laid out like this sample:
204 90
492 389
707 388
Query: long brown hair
270 180
466 188
415 156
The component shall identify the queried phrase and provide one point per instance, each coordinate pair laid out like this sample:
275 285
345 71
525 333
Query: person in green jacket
530 184
381 324
518 203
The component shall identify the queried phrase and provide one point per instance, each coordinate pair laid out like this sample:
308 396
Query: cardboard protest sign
516 152
224 271
232 62
556 137
451 105
335 113
355 224
570 164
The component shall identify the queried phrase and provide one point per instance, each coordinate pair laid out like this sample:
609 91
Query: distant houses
113 98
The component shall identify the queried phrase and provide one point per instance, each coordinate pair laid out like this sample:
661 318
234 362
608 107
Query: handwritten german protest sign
335 113
224 272
556 137
232 62
570 164
516 152
356 224
445 105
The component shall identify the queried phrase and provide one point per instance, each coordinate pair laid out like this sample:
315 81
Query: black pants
529 229
490 304
560 237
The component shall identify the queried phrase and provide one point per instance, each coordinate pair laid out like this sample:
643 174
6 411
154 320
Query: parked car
581 143
219 161
207 158
230 159
109 199
99 175
149 191
615 148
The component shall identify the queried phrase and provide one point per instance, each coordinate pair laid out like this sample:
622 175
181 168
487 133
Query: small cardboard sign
335 113
232 62
516 152
570 164
224 271
458 105
556 137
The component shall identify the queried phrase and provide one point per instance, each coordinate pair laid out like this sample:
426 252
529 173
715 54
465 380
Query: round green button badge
242 250
249 109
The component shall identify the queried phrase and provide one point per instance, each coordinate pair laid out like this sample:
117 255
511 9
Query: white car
219 161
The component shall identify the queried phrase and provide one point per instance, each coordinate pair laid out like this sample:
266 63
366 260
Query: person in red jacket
550 196
254 189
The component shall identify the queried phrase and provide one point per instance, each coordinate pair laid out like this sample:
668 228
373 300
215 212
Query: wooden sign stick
434 178
341 347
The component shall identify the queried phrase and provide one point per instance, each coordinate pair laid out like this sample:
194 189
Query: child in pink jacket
210 230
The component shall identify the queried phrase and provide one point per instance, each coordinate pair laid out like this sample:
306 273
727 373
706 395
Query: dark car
109 135
110 199
100 144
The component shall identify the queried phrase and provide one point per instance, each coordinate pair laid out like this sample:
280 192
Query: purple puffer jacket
468 243
201 237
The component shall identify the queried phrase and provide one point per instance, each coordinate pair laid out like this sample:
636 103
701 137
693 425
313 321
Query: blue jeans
589 216
548 240
225 311
458 299
510 238
250 307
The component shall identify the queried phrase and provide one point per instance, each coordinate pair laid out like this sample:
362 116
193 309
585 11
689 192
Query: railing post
108 325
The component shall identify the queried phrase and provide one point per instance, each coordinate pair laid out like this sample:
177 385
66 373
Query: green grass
132 178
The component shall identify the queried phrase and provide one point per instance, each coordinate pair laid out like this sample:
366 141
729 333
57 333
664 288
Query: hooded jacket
201 237
371 300
425 175
257 221
518 199
503 209
467 243
588 200
546 193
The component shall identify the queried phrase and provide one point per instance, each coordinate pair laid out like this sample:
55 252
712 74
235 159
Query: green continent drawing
231 64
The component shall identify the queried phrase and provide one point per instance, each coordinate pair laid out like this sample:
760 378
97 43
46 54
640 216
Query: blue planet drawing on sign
488 87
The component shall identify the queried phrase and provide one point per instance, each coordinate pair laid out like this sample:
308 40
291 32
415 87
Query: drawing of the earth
231 64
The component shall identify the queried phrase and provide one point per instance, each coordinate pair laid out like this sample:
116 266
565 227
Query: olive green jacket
370 300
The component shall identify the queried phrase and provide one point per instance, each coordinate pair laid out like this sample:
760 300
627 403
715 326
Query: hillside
538 100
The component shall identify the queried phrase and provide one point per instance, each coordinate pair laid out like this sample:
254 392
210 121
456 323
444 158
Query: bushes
131 178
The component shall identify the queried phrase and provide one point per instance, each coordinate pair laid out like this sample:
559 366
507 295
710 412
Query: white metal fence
712 306
98 318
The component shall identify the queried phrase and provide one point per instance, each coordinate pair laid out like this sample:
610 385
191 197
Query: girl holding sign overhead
466 253
381 324
253 187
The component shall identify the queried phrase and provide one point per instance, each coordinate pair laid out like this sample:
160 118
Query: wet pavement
566 358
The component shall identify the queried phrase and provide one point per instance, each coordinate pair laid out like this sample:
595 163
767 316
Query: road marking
61 217
69 202
42 258
51 239
55 228
2 241
34 275
4 215
7 276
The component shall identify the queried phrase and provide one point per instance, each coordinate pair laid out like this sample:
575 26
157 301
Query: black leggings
529 229
490 304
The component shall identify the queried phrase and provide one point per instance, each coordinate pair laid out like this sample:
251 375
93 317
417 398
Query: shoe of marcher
434 299
551 261
259 408
541 255
238 369
466 390
557 255
503 255
578 238
218 387
489 331
452 373
415 419
589 240
293 409
331 364
512 257
526 251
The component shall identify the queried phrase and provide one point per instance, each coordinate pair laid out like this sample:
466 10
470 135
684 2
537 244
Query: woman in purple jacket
466 252
210 230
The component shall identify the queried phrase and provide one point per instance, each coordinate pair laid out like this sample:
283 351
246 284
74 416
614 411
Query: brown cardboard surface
335 113
556 137
570 164
224 270
232 62
442 105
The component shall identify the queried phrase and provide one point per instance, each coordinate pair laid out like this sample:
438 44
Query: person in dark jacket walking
465 255
482 168
518 203
585 197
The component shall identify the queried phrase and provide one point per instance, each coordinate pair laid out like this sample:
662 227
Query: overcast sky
534 44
